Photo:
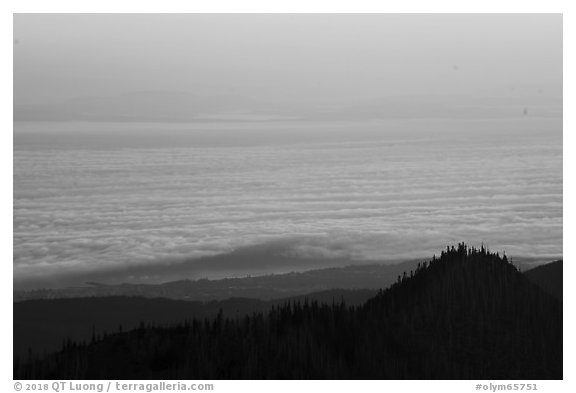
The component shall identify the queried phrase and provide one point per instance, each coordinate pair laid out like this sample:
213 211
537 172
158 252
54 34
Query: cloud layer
99 199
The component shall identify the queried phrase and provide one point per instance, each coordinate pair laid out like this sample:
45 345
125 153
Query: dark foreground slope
41 326
467 315
548 277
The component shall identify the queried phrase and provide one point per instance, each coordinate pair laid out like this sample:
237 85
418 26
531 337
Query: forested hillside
40 326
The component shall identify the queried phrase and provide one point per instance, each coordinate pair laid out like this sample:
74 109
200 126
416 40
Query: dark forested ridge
468 314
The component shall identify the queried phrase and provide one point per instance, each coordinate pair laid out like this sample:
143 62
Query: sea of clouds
90 197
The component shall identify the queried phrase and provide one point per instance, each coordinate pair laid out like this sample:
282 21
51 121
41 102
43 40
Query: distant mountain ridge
266 287
188 106
342 275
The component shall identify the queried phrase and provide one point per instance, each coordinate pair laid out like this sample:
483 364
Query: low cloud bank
139 213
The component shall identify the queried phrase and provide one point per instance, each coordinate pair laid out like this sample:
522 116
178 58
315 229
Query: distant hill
187 106
466 315
549 277
136 106
273 286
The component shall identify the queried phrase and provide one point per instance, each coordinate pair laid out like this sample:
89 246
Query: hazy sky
287 58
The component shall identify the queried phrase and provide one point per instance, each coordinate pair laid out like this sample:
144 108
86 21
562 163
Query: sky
111 66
